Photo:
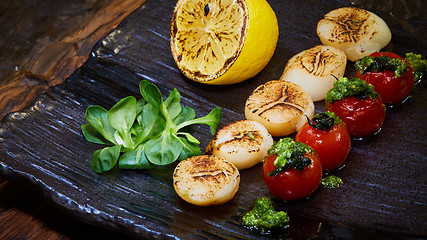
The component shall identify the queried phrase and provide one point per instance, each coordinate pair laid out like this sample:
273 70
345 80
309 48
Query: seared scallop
244 143
316 70
356 31
280 106
206 180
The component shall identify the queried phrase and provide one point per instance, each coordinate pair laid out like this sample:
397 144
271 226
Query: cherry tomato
391 88
362 116
292 184
331 143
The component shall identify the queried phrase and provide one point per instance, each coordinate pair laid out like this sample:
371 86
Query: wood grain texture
44 42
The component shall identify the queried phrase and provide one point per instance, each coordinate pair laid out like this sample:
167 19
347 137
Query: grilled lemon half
223 42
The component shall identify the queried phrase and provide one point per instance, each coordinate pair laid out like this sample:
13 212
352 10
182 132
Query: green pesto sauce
418 64
324 120
263 216
381 63
345 87
290 154
332 181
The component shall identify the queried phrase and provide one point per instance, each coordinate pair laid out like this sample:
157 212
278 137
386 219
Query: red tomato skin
292 184
392 90
362 116
332 145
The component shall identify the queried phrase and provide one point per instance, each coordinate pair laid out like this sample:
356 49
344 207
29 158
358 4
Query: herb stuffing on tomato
328 135
390 74
357 104
292 170
418 64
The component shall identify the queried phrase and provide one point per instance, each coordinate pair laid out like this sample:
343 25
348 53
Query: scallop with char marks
356 31
244 143
206 180
316 69
280 106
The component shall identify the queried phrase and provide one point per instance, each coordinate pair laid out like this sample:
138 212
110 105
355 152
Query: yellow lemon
223 42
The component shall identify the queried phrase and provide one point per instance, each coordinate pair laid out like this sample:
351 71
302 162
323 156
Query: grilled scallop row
278 108
213 178
346 33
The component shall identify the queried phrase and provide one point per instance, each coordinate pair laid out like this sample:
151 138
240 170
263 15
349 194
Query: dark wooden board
384 194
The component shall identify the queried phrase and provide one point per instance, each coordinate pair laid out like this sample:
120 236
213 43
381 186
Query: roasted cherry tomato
357 104
390 74
362 116
328 135
292 170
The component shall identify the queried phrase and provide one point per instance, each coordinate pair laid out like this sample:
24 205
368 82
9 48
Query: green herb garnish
143 133
345 87
290 154
250 135
418 64
332 181
324 120
264 218
381 63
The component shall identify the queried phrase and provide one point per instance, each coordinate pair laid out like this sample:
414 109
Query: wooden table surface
26 214
54 28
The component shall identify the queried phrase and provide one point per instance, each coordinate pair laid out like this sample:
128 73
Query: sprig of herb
141 134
